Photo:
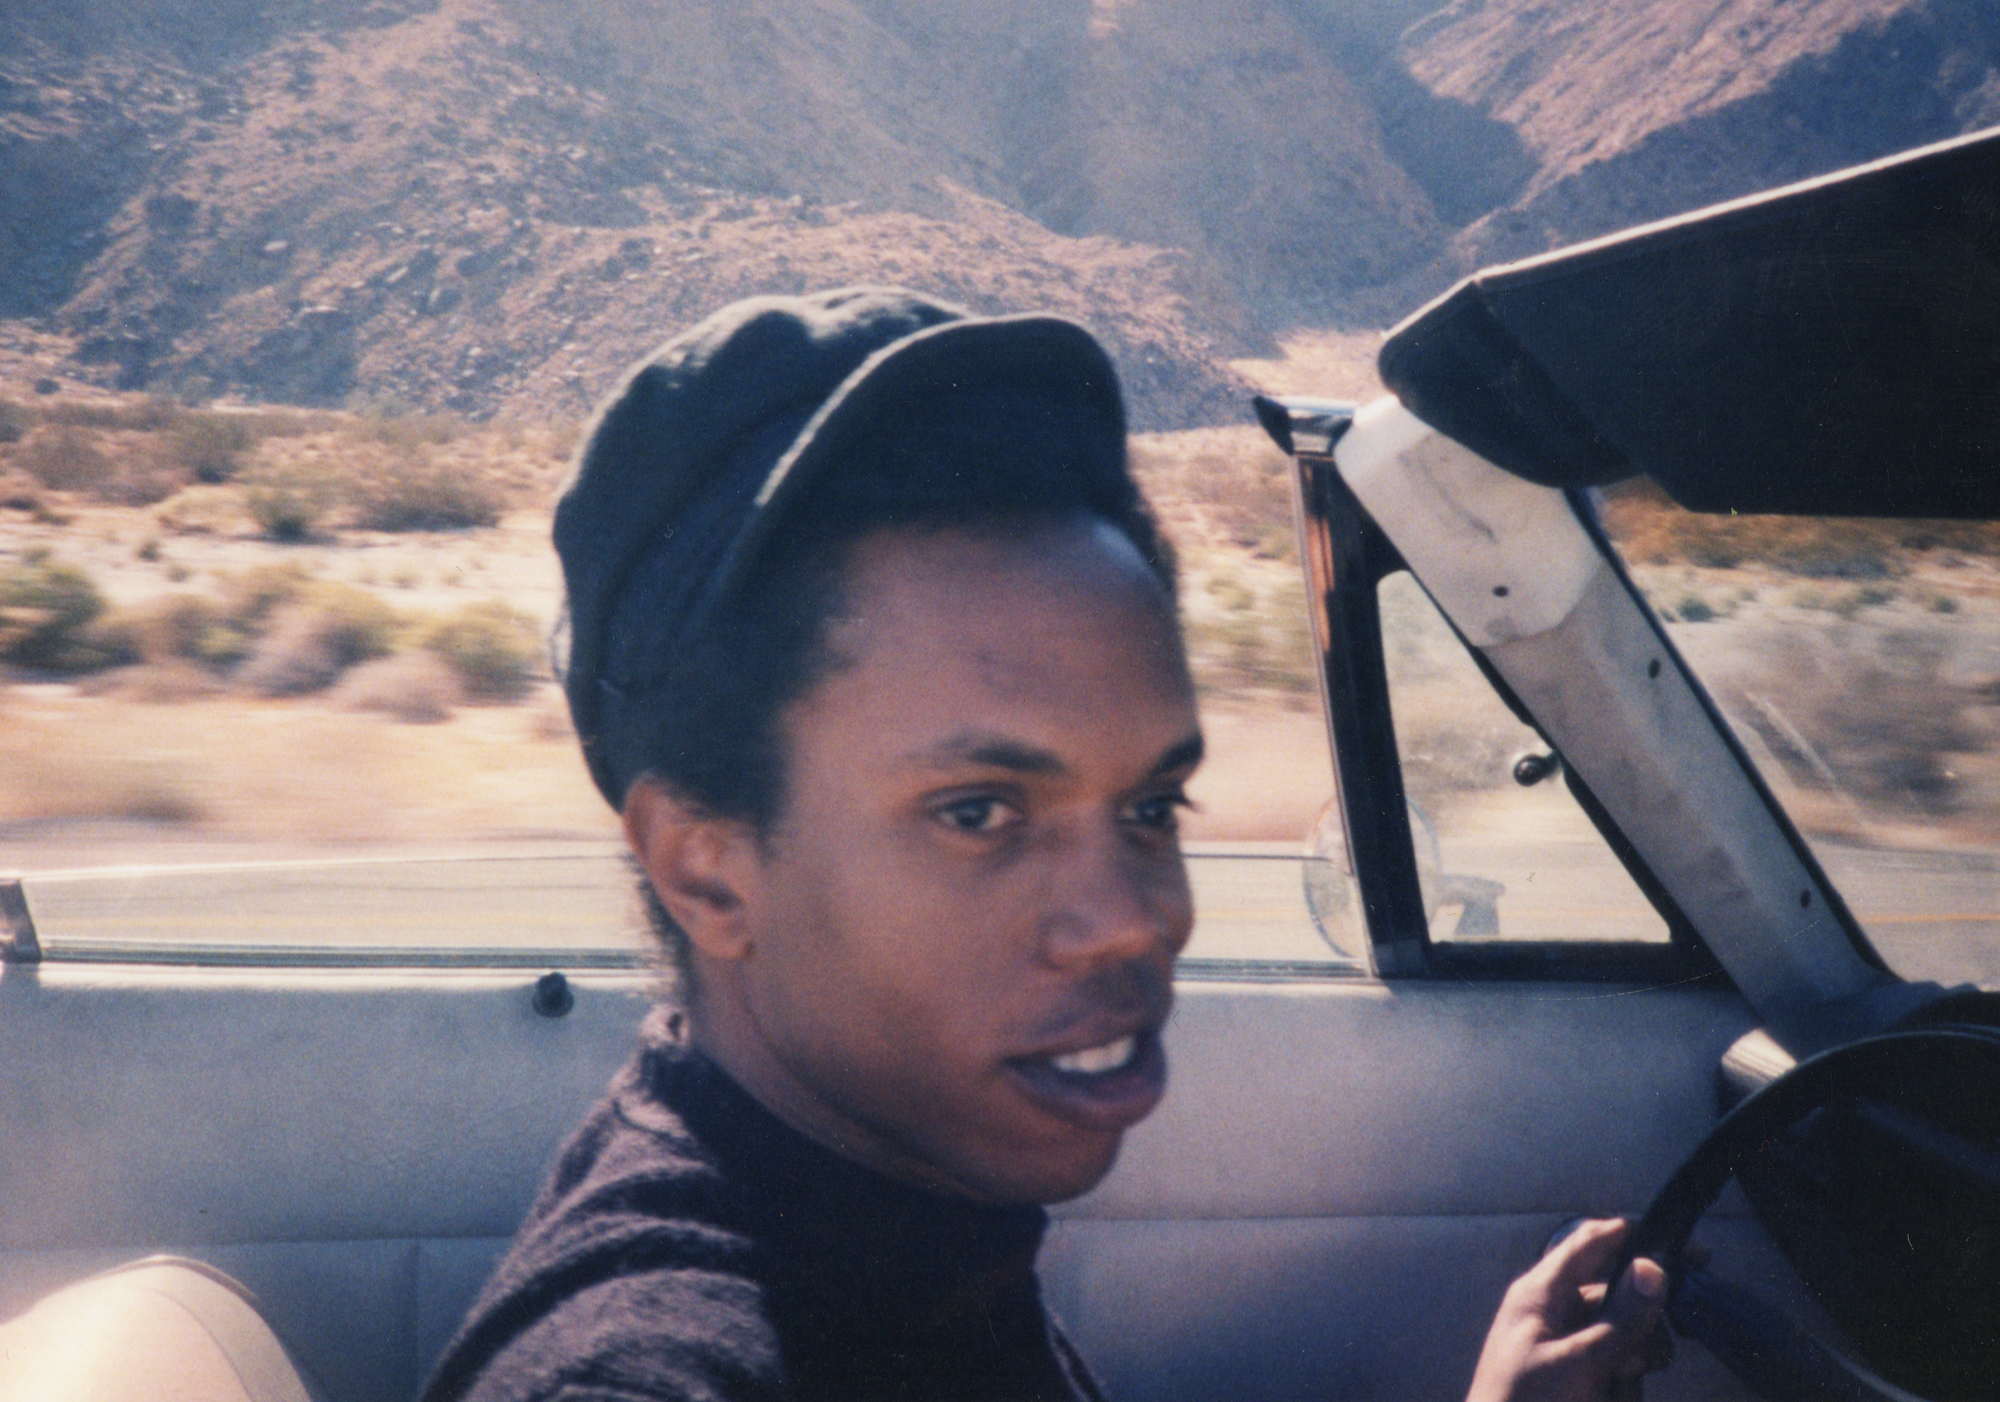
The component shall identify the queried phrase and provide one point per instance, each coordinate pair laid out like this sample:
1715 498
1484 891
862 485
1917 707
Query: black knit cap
725 433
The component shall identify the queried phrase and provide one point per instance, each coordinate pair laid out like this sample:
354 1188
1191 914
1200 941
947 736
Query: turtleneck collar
805 1201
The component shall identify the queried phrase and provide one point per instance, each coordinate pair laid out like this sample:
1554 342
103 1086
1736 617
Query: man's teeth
1092 1061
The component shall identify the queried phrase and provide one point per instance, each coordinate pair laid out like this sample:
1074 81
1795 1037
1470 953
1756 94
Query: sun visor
1831 348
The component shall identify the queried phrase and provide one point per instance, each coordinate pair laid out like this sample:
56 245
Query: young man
872 641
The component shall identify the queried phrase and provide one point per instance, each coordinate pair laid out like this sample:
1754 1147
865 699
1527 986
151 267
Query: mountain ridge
492 206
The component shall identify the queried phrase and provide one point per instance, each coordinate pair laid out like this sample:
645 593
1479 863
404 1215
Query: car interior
1400 1064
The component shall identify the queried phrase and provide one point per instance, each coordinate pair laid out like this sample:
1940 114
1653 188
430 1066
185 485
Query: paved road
1934 915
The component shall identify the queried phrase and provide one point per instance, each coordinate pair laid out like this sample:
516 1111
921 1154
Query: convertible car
1570 941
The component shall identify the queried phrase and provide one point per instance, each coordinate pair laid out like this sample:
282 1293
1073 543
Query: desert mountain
1633 111
493 205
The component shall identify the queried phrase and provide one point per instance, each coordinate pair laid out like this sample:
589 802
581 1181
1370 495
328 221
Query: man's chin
1077 1184
1051 1173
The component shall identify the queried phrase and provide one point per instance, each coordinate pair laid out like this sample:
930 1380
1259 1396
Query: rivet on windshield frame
552 995
1653 668
1499 591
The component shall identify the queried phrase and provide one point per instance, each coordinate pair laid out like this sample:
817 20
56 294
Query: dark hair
715 738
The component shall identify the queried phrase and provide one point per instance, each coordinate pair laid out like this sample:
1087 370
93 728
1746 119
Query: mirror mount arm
18 944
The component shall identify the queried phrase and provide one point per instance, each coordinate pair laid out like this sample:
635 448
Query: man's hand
1556 1340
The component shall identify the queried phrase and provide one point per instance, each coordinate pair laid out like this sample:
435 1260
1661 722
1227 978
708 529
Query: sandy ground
101 780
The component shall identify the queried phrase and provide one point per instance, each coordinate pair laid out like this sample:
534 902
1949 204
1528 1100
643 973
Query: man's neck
722 1027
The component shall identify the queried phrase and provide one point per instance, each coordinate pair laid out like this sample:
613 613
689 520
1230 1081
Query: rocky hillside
1629 110
491 206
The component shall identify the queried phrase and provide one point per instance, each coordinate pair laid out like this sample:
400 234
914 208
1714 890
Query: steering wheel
1936 1072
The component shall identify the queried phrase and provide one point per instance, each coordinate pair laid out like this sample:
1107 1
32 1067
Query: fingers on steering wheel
1653 1354
1626 1339
1580 1258
1632 1318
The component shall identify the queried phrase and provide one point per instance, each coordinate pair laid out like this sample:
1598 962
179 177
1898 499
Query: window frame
1346 556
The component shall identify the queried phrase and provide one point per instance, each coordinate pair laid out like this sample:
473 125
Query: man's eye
979 813
1160 812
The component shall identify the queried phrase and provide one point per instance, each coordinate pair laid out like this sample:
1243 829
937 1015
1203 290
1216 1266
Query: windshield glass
1859 665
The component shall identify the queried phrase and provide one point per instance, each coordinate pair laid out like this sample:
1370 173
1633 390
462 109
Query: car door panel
1346 1174
356 1148
1341 1181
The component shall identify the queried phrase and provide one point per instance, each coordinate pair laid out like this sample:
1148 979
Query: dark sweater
690 1245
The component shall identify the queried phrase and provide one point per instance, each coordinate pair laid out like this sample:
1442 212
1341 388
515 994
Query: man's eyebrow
1000 752
995 751
1185 755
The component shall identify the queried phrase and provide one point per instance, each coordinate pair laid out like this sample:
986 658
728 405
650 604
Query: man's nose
1116 903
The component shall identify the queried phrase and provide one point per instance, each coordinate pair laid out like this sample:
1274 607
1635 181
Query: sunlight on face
963 934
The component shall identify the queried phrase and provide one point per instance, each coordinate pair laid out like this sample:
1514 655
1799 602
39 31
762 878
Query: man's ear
700 866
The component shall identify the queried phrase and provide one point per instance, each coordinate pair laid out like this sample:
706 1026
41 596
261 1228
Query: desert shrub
411 491
1450 747
73 413
1832 549
409 432
1844 603
153 413
289 423
249 597
1650 529
135 415
561 439
1694 609
1235 478
1890 736
495 649
64 458
15 421
46 609
176 627
211 446
146 415
158 683
19 491
1251 641
419 688
315 638
1874 723
550 720
358 624
142 477
1230 592
288 501
204 510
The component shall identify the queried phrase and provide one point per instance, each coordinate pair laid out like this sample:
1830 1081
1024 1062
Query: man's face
962 932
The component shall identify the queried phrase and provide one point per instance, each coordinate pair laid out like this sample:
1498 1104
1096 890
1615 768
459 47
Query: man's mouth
1107 1087
1094 1061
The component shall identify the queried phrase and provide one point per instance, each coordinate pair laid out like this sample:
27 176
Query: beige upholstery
162 1329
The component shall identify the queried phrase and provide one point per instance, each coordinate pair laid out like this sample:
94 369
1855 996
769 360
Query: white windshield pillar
1517 574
